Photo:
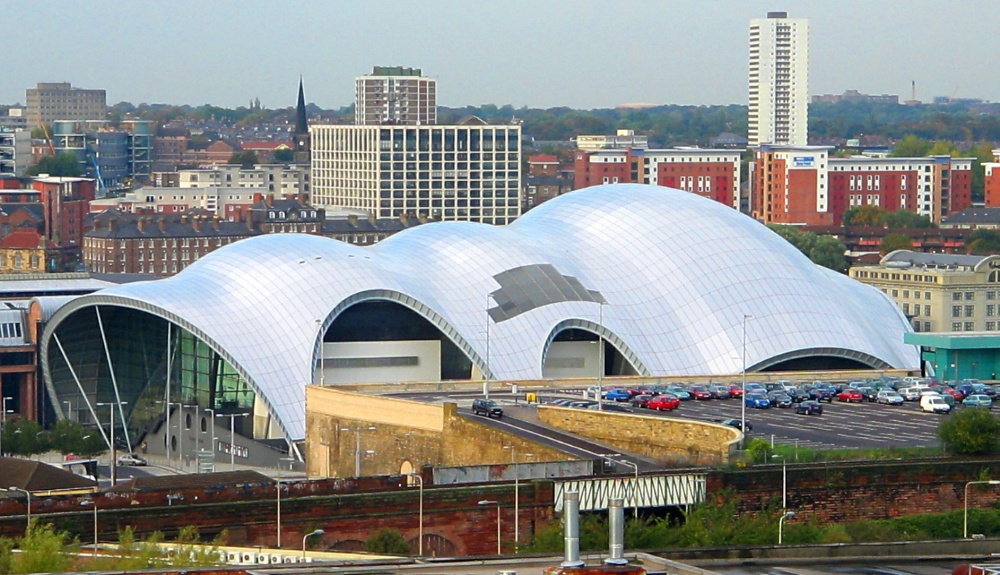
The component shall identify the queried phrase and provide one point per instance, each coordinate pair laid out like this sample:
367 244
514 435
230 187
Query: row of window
8 330
896 276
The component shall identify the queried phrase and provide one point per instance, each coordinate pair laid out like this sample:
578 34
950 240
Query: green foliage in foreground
387 542
43 549
717 524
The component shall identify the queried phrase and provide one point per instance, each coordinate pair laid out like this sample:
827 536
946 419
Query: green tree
970 432
71 437
826 251
868 216
983 242
907 219
895 241
43 550
246 159
65 164
911 147
387 542
24 437
284 155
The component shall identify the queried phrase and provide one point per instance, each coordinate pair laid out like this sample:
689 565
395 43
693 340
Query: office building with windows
52 101
779 80
466 172
939 292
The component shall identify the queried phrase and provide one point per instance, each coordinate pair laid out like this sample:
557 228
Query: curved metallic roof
679 275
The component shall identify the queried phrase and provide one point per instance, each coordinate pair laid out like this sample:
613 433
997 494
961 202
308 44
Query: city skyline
555 53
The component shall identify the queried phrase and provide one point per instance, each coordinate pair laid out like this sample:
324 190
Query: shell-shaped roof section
679 277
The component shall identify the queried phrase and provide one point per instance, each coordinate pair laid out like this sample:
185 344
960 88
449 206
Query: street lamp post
307 536
517 492
93 503
743 395
781 522
211 426
486 379
357 447
600 357
497 503
784 480
28 513
232 436
610 457
965 520
420 516
111 440
3 420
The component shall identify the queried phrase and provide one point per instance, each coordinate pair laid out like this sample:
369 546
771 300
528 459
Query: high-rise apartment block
395 95
802 185
51 101
779 80
110 154
469 172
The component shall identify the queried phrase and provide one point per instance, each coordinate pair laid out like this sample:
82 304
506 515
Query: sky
536 53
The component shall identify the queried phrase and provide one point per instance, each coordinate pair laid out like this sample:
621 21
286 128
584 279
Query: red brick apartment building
802 185
710 173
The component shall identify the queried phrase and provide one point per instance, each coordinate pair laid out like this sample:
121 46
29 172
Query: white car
910 393
889 397
131 460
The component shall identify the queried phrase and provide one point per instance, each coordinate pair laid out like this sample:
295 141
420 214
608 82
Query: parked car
870 393
617 407
679 392
738 424
618 394
664 402
779 399
850 395
699 391
797 394
720 391
641 400
809 407
910 393
757 400
755 386
821 394
978 400
889 397
735 390
132 460
934 403
486 407
959 395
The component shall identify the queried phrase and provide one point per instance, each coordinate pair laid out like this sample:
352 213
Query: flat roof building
779 80
395 95
52 101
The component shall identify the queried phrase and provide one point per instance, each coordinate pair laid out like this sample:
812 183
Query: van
931 403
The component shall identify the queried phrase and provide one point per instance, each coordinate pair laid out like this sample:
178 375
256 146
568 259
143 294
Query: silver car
889 397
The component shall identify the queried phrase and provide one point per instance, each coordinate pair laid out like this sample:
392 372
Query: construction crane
48 139
101 188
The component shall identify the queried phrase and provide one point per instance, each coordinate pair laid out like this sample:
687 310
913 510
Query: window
895 293
991 310
969 326
906 294
906 309
969 295
956 296
969 310
956 311
991 325
927 310
927 326
927 295
991 295
956 326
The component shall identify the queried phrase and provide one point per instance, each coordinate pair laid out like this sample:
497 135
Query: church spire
301 127
302 141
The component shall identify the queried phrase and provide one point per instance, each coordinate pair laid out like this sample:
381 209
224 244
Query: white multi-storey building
281 179
779 80
15 152
395 95
469 172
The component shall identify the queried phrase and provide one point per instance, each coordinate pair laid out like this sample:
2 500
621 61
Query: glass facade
140 347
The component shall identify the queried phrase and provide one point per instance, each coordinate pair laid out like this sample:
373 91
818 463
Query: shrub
970 432
387 542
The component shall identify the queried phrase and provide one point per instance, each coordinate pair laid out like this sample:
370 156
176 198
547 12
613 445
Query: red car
957 394
850 395
700 392
664 402
735 391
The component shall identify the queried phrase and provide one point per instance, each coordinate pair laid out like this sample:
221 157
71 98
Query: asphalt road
842 425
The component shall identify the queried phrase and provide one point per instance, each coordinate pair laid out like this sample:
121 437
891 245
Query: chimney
111 223
248 219
571 519
184 219
422 217
163 224
371 219
196 223
353 220
257 198
616 534
270 200
141 222
215 223
405 218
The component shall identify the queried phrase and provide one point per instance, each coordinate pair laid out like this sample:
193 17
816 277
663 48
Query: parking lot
842 425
